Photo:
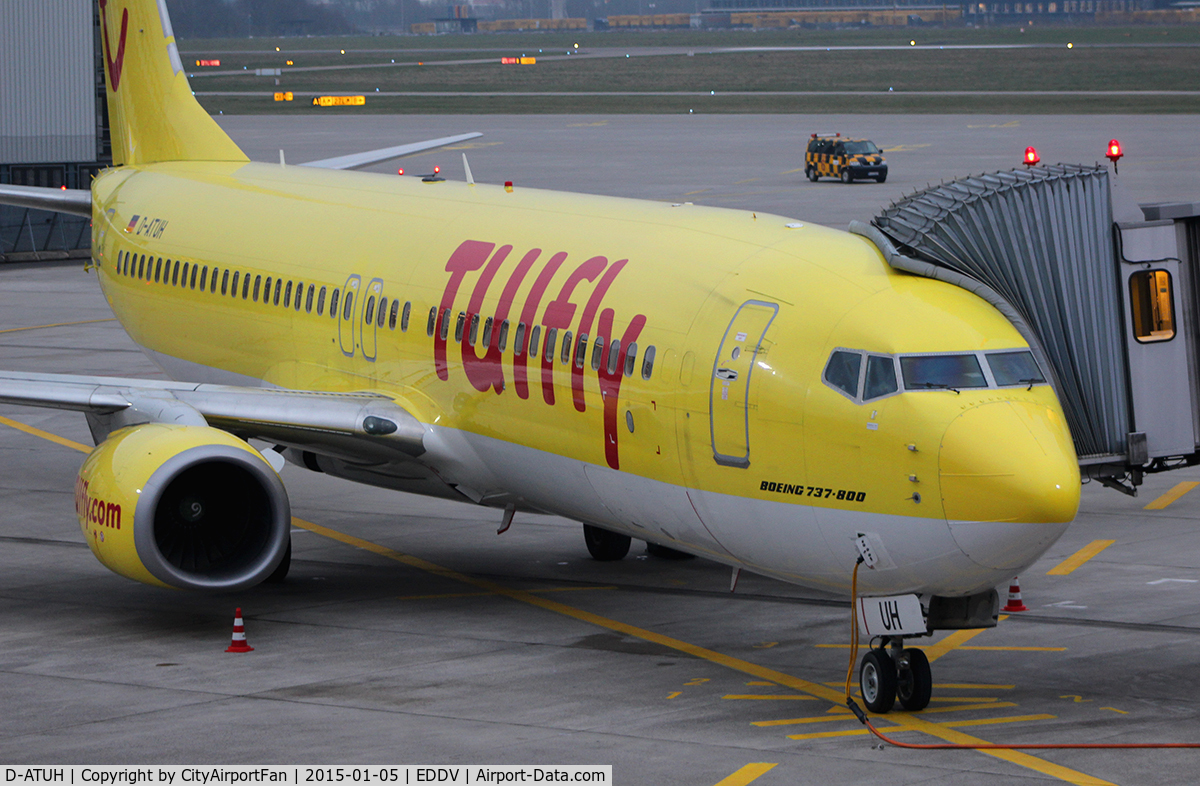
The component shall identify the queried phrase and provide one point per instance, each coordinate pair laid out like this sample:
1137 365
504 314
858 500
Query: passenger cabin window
195 272
630 358
565 356
392 315
212 288
278 288
581 350
459 327
383 303
502 342
474 329
1150 306
257 285
487 332
946 372
534 335
320 301
245 286
881 377
333 302
369 311
614 355
432 323
287 295
648 362
842 372
404 316
175 274
308 301
519 341
204 278
348 306
597 353
142 267
158 270
1014 368
445 330
225 282
551 340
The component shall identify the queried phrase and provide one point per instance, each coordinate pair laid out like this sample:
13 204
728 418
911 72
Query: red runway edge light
239 635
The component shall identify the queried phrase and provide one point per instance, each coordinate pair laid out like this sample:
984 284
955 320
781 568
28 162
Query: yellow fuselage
810 467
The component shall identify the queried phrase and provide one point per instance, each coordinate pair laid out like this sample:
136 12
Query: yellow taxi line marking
747 180
1114 709
951 642
37 432
969 685
820 735
891 716
962 699
992 721
1014 649
489 594
701 191
747 774
1083 555
792 171
675 694
761 684
1173 495
736 664
58 324
750 697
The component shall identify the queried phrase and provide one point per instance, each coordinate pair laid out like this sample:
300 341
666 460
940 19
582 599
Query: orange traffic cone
1014 596
239 635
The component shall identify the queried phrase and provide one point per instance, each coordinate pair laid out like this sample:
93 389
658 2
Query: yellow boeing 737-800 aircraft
764 393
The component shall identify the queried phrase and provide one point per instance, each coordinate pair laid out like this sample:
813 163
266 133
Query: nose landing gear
903 673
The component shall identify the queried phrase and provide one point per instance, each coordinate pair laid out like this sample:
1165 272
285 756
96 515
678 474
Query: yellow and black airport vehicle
829 155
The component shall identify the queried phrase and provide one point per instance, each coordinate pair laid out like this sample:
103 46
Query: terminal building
54 121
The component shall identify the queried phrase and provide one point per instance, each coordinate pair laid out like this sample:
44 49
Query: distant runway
751 162
410 632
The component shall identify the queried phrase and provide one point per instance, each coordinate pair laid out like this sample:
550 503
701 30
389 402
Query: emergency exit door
729 388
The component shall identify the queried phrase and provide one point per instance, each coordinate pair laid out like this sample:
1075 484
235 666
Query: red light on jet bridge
1114 150
1031 156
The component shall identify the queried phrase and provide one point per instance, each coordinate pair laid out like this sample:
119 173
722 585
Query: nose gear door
729 387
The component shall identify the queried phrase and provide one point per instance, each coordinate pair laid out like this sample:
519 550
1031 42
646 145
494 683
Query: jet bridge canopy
1099 302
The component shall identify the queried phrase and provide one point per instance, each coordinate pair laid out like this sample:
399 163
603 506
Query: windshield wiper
1031 381
938 386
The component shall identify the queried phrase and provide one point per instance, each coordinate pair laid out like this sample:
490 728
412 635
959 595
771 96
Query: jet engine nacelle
183 506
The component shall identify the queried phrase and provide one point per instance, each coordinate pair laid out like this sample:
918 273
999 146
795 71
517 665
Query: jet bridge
1110 307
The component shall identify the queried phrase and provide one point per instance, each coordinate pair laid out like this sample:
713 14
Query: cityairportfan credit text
294 774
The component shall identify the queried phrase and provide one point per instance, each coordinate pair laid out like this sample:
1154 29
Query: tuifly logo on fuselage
595 322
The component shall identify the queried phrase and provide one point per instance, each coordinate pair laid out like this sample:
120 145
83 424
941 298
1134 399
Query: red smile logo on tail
114 66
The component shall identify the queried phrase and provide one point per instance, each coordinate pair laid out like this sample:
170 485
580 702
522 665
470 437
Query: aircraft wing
363 427
62 200
360 160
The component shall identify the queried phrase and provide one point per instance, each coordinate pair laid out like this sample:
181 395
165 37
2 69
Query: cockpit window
881 377
948 372
1014 368
842 372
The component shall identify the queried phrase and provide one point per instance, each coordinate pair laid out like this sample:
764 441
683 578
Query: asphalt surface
520 649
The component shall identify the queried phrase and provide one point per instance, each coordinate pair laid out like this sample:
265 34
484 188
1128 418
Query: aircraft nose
1009 481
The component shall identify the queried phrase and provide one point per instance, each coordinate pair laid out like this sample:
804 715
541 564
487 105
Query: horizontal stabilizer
60 200
360 160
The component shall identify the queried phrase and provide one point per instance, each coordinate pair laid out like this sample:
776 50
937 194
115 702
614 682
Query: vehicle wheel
663 552
883 178
914 682
877 680
846 176
285 565
604 545
811 174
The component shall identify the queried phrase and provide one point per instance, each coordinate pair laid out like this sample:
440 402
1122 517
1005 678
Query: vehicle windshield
1015 368
861 148
945 372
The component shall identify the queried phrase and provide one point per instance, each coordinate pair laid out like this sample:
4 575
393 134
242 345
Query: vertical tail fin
152 112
